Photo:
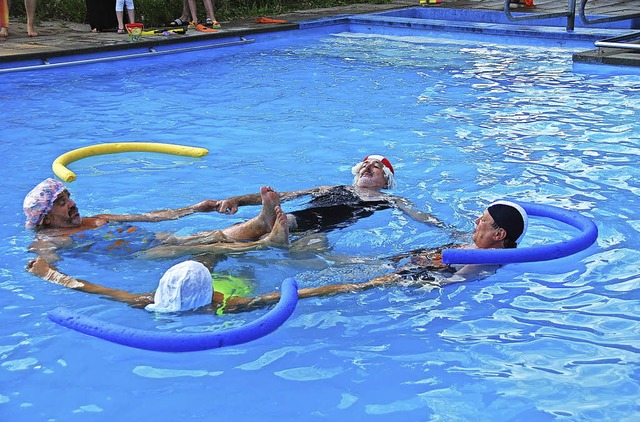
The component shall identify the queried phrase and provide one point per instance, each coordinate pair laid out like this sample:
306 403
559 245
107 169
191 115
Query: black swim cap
510 218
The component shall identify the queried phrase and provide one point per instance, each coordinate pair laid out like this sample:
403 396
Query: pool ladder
570 14
624 41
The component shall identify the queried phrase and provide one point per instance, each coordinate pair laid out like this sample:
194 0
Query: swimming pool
464 123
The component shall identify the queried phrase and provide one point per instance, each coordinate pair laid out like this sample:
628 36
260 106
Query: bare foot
270 200
258 226
31 31
279 235
4 32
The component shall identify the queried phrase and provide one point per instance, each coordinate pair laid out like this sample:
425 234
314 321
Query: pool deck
57 38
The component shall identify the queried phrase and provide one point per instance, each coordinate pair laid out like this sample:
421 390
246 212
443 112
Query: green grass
159 12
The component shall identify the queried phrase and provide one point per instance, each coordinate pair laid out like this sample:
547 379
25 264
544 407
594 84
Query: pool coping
112 47
151 42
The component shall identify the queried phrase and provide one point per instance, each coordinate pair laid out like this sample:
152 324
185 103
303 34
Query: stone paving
66 38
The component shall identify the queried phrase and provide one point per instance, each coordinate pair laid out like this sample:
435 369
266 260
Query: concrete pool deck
58 38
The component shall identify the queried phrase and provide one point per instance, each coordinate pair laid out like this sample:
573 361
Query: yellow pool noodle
60 169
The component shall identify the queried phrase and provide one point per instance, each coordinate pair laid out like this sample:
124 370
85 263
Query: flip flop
269 20
121 31
200 27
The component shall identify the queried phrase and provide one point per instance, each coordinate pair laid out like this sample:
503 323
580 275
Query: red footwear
200 27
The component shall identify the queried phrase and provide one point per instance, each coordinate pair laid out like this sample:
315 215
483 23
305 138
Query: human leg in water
278 237
249 230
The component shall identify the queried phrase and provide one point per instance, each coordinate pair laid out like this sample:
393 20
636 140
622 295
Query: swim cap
184 286
39 201
387 169
511 217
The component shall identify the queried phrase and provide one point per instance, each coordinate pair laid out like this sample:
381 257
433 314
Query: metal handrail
588 21
620 42
570 14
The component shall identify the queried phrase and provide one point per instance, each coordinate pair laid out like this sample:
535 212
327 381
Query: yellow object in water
60 169
230 286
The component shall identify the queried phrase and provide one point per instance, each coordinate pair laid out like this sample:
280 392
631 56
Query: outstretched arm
407 207
429 258
41 268
243 304
162 215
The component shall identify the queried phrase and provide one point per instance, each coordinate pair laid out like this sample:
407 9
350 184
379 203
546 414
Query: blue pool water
463 122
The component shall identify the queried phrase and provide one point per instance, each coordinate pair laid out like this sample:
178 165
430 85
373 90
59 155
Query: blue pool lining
471 21
500 17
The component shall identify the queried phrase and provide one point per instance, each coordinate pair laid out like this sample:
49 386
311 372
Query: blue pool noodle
587 236
182 342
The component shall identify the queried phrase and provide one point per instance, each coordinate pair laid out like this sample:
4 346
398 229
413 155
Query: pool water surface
464 122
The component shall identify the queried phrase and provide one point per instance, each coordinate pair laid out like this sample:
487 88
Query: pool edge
120 50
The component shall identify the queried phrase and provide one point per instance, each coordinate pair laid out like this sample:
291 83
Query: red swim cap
383 160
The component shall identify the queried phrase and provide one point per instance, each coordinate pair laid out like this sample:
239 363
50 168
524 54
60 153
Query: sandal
213 24
121 31
178 22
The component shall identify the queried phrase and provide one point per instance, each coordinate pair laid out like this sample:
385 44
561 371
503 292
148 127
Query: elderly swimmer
55 217
334 207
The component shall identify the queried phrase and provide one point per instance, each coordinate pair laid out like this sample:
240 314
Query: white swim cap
184 286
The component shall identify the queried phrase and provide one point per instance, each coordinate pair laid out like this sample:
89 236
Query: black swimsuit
336 209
